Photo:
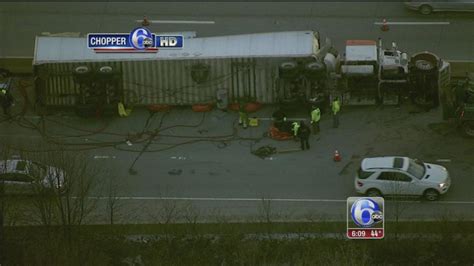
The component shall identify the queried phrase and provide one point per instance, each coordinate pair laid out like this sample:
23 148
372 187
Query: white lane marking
412 23
220 199
104 157
178 157
444 160
269 199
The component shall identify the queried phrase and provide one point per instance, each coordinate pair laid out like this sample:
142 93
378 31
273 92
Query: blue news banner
106 41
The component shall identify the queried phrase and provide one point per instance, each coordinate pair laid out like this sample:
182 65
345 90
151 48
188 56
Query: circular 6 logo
366 212
141 38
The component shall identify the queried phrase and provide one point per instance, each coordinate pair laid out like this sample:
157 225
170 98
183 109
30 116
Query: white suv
401 176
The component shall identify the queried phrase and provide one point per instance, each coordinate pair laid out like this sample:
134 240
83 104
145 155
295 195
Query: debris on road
264 151
175 172
276 134
288 150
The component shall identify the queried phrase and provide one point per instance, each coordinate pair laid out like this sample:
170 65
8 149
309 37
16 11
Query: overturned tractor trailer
358 73
251 67
429 78
371 74
306 82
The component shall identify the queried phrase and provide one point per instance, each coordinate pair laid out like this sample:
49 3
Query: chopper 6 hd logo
139 40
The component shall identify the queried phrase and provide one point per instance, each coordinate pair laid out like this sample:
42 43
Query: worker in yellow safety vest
295 127
6 100
336 107
243 115
315 118
122 111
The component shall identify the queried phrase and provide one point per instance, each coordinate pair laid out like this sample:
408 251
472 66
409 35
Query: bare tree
191 215
398 188
113 201
265 211
62 197
169 211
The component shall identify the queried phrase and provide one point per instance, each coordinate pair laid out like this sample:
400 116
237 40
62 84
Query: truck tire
420 101
288 65
106 69
424 65
425 9
315 66
81 70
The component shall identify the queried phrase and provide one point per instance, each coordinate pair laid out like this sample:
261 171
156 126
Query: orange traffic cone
384 25
145 22
337 156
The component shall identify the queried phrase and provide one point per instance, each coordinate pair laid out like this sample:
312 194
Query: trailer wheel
421 101
315 66
288 65
105 69
81 70
468 128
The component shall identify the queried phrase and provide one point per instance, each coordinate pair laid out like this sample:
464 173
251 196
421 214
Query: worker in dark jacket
303 134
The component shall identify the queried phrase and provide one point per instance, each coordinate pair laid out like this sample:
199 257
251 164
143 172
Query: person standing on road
243 116
315 117
336 107
303 134
6 100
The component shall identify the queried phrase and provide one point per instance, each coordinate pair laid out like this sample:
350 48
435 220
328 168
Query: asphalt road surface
222 178
21 22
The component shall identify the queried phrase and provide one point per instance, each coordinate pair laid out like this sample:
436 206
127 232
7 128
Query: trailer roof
273 44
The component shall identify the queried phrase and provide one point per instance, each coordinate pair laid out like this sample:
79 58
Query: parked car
29 177
427 7
401 176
